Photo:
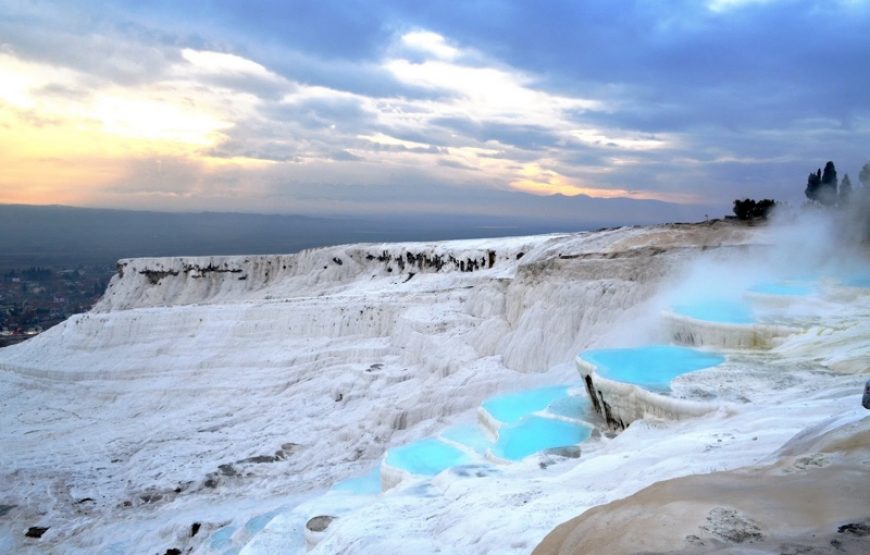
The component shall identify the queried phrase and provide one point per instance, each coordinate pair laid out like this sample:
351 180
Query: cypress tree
828 189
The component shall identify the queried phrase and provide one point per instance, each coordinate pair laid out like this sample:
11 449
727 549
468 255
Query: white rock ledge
392 476
621 403
690 331
489 423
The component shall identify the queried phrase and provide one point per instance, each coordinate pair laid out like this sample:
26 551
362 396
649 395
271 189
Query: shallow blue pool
363 485
570 406
652 367
536 433
426 457
512 407
470 436
222 538
719 310
255 525
784 288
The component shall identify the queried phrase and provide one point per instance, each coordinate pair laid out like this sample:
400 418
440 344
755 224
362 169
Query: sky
497 107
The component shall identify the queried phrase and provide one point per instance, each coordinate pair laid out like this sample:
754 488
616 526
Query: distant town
34 299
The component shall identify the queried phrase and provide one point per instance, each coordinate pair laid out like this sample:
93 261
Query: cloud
726 5
157 177
519 135
490 93
345 156
685 102
232 73
430 43
220 63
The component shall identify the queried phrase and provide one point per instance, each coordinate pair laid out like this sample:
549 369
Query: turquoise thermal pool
363 485
722 311
222 538
785 289
536 433
470 436
256 524
426 457
651 367
513 407
569 406
531 421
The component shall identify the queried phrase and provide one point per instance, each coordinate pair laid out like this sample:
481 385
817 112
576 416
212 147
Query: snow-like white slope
214 390
769 398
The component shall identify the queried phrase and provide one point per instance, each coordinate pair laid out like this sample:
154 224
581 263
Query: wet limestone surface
536 433
426 457
513 407
723 311
652 367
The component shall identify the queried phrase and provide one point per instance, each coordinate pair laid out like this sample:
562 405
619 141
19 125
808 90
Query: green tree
814 181
822 185
828 189
750 209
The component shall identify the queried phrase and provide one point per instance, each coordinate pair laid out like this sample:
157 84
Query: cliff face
148 282
182 281
200 381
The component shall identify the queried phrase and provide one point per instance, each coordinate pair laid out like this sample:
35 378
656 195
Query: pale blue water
470 436
426 457
536 433
364 485
221 538
522 434
652 367
724 311
256 524
570 406
788 289
512 407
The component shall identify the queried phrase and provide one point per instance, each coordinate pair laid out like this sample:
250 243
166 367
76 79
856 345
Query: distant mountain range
69 236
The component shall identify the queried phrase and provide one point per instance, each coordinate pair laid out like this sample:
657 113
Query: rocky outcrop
315 529
813 499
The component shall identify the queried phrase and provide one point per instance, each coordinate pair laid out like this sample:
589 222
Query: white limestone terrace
510 427
189 395
760 316
628 384
729 335
639 388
